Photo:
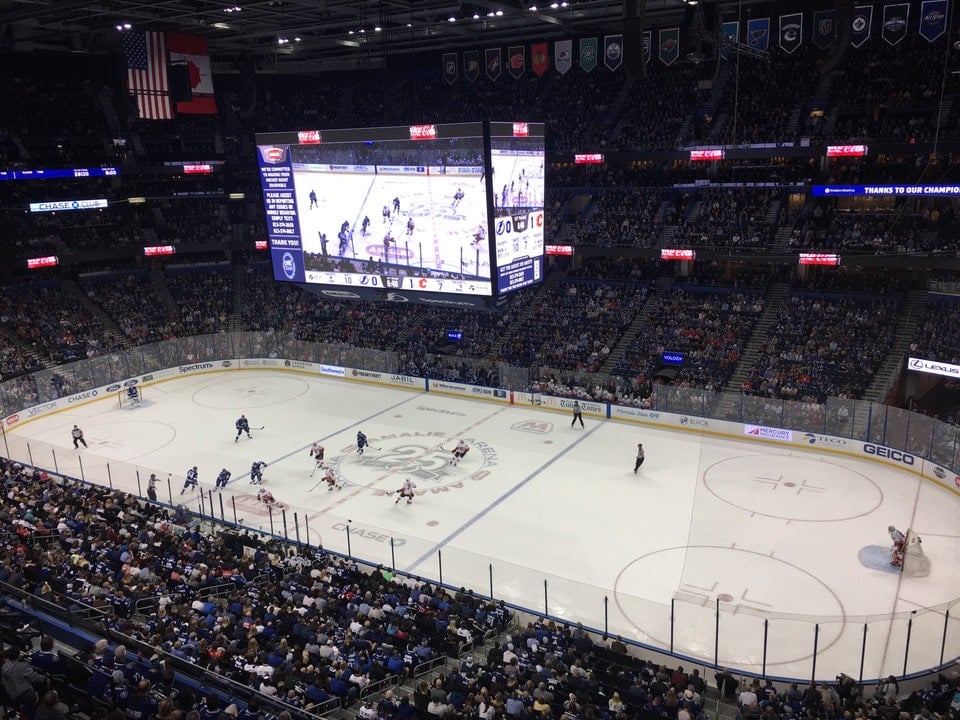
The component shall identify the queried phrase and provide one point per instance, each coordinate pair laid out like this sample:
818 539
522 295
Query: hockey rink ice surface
766 530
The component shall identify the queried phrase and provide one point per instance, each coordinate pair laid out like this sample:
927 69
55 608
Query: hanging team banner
538 58
491 57
791 32
758 33
612 51
862 20
933 19
450 68
518 60
471 65
647 39
588 54
563 55
824 28
669 48
731 31
895 19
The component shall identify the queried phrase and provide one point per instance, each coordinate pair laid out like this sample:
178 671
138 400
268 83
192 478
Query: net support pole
440 565
139 487
283 516
296 527
80 460
816 640
863 651
222 515
491 580
943 638
546 604
6 447
233 502
673 608
906 645
169 489
606 615
393 557
766 634
30 455
716 634
349 549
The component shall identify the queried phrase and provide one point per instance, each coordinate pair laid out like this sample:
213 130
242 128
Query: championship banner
538 58
517 59
563 56
895 19
491 58
471 65
758 33
791 32
612 51
862 20
647 40
588 54
450 68
731 31
824 28
669 48
933 19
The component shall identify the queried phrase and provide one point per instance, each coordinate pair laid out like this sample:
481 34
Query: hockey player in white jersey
256 472
331 479
459 451
406 491
191 481
266 497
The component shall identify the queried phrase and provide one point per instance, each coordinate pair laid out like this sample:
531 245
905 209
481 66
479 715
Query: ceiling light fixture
498 13
451 19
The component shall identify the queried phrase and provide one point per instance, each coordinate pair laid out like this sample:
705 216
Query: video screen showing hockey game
394 207
517 159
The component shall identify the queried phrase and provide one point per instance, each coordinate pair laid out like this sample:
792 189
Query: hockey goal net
126 398
915 560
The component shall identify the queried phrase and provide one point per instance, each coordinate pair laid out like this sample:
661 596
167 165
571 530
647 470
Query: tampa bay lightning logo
289 265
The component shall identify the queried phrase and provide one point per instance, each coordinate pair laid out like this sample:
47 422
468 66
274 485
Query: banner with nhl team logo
758 33
491 57
450 68
669 46
612 51
895 18
647 40
517 59
588 54
471 65
563 56
933 19
791 32
731 31
862 20
538 58
824 28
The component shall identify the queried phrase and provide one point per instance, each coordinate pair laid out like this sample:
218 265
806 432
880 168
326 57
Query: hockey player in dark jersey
243 426
191 481
222 479
361 442
256 472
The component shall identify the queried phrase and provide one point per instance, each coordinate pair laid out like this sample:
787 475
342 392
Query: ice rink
792 536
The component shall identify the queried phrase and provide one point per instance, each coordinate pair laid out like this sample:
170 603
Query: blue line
327 437
469 523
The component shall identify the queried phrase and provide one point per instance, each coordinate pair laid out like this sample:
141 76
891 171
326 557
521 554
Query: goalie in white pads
331 479
459 451
406 491
256 472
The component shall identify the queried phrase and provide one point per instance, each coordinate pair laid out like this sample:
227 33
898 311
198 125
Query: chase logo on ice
289 265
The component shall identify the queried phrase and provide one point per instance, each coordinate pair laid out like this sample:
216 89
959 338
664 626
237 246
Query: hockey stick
260 428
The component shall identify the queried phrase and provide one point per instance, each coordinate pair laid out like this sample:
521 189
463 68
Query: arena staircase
619 351
781 241
667 236
912 310
775 296
159 283
72 291
235 320
946 107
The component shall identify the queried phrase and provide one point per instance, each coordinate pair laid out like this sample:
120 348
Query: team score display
519 236
344 279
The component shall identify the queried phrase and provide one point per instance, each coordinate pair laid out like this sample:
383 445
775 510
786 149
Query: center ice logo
418 456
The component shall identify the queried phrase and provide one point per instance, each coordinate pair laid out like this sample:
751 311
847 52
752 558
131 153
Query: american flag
147 79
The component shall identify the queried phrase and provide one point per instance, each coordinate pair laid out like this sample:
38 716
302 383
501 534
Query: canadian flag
191 50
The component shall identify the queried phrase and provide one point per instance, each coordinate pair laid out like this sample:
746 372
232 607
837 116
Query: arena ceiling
333 34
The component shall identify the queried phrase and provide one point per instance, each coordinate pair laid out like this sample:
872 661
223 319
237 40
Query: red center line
360 488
